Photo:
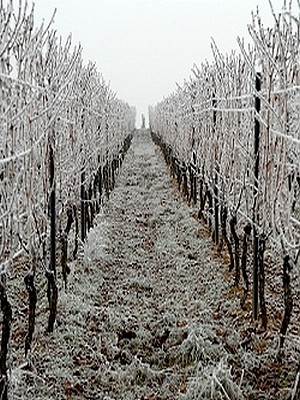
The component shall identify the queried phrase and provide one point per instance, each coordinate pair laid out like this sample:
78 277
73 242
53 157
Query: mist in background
143 47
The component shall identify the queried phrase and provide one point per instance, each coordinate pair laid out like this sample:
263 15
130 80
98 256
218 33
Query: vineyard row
63 135
231 136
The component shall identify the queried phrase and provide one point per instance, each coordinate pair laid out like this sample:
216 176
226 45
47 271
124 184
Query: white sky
142 47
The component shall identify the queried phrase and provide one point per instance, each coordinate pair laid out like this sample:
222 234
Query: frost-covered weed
98 245
142 372
199 347
213 382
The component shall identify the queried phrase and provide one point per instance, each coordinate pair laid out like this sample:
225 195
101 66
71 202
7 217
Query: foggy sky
142 47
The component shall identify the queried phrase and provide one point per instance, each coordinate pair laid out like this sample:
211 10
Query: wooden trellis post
52 201
216 189
83 205
255 195
52 292
6 329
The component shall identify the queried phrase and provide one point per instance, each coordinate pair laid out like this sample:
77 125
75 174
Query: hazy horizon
143 47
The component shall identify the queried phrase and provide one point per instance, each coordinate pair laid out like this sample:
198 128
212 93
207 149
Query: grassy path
159 285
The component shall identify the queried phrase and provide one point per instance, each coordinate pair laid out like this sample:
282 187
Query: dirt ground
150 312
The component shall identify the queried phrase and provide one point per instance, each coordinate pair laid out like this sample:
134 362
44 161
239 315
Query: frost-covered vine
232 132
62 135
